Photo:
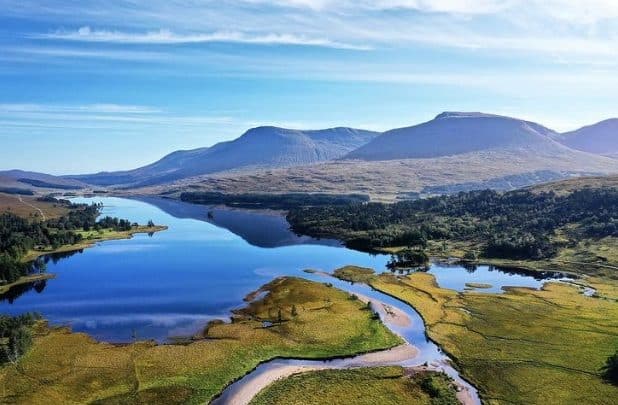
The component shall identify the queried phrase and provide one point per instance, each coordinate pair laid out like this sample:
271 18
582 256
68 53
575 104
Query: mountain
453 133
452 152
600 138
29 180
262 147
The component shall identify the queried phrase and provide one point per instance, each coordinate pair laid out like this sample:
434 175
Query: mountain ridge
259 147
600 138
449 134
453 133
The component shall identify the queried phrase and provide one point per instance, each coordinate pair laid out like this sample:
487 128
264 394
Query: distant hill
600 138
29 180
262 147
454 133
570 185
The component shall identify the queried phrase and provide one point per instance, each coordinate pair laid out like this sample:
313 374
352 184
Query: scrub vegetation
518 225
366 386
305 319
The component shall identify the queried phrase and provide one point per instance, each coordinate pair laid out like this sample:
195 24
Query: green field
366 386
65 367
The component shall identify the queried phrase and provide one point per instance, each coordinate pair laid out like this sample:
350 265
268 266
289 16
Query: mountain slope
262 147
30 180
600 138
453 133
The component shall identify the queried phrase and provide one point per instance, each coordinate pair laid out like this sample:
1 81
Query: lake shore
95 238
84 244
255 385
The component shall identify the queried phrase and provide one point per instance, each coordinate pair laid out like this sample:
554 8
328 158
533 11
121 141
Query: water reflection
157 287
19 290
261 228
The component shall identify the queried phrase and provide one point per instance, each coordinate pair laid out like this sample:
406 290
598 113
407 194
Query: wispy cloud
85 108
76 53
574 11
435 6
165 36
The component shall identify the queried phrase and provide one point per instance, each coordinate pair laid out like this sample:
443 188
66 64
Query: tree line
19 235
273 201
517 224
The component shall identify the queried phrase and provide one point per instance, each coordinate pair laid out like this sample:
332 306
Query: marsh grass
524 346
365 386
354 274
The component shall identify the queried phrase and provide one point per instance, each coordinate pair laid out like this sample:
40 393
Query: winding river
172 283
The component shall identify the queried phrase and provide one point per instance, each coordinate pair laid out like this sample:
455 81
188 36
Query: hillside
570 185
453 133
262 147
24 180
600 138
390 180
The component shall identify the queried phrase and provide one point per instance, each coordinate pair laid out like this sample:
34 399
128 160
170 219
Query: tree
279 317
471 256
610 369
150 223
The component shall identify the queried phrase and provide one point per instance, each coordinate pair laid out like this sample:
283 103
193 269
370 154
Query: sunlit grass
366 386
524 346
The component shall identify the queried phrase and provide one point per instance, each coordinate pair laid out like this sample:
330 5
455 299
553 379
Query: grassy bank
305 319
90 238
524 346
31 207
366 386
25 280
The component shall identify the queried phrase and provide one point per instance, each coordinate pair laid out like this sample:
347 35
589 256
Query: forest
515 225
273 201
19 235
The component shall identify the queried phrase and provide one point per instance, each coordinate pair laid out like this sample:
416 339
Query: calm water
173 282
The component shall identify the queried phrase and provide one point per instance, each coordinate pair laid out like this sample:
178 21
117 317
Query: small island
475 286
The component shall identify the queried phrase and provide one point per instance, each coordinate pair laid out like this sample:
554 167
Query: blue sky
107 85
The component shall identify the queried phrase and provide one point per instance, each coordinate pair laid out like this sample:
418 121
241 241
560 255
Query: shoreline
26 280
88 243
255 385
85 244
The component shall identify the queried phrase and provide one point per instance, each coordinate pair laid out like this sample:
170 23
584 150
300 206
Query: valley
385 262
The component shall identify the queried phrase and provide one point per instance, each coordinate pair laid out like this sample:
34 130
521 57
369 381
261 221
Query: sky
94 85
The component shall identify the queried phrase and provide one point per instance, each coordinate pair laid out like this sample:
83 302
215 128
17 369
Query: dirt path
32 206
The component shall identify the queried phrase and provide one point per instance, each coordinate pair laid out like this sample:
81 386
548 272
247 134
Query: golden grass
65 367
524 346
366 386
354 274
27 208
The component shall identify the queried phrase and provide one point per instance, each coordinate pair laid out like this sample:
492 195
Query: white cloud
165 36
